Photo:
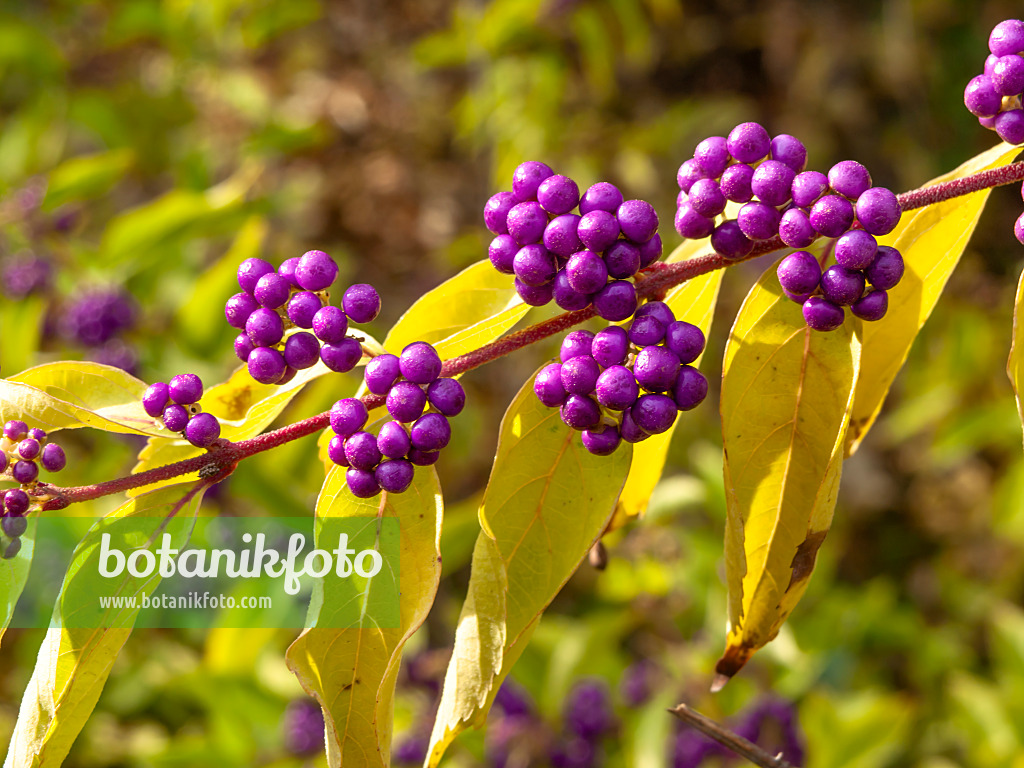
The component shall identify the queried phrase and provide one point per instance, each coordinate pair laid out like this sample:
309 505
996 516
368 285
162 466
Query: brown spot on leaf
806 554
732 661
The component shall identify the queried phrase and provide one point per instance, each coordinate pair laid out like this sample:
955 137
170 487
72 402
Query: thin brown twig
728 739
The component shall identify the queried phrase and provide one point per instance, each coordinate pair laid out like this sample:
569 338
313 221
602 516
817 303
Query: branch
728 739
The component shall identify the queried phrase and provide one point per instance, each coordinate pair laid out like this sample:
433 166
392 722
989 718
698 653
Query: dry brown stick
728 739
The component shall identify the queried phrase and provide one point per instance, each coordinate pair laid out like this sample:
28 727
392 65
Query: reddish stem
652 282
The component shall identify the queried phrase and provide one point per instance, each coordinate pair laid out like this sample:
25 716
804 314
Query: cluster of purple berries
771 724
98 320
295 296
419 403
621 384
25 274
994 97
575 259
176 404
21 451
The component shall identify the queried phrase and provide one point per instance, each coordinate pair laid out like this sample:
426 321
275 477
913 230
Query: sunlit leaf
546 503
14 574
1015 365
786 398
21 326
86 176
931 239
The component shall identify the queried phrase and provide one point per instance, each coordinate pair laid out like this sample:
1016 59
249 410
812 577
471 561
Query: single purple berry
265 365
362 483
598 229
990 64
586 272
575 344
602 196
535 295
527 178
13 527
381 373
264 327
361 303
758 221
712 155
684 340
302 308
447 395
729 241
272 290
646 330
361 450
1010 126
849 178
560 235
185 388
392 440
289 374
799 272
534 265
706 198
856 249
430 432
301 350
36 434
3 468
420 363
690 388
343 356
580 412
656 368
579 375
616 301
822 315
981 97
1018 229
567 297
658 309
842 286
315 271
250 271
654 414
795 228
808 187
202 430
526 223
622 260
175 417
692 225
15 430
330 324
689 172
610 346
29 448
16 502
502 251
789 150
1008 75
558 194
395 476
630 430
336 450
649 252
1007 37
287 271
772 182
886 270
496 212
601 441
53 458
406 401
423 458
155 398
871 306
736 183
238 309
638 220
748 143
348 416
832 215
616 388
878 211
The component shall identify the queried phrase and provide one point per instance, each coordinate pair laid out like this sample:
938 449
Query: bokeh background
147 146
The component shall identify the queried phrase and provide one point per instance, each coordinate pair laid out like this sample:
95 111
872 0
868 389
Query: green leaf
1015 364
86 176
83 641
931 239
21 325
352 672
70 395
465 312
14 574
547 502
786 398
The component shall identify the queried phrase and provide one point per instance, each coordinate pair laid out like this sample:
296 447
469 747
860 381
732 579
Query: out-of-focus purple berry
25 274
13 527
588 710
527 178
96 317
602 196
496 212
822 315
361 303
637 683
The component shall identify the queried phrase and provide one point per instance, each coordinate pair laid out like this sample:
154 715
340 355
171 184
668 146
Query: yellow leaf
786 398
931 239
1015 365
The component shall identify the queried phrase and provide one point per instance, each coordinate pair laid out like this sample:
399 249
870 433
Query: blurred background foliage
147 146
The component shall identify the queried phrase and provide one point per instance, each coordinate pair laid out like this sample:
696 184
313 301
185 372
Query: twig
728 739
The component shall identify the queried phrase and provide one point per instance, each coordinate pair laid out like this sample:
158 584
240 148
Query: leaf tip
719 681
732 661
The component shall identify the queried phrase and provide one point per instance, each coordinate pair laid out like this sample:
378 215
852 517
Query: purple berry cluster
771 725
766 176
577 259
625 384
419 402
295 296
303 726
176 404
994 96
97 320
25 274
22 450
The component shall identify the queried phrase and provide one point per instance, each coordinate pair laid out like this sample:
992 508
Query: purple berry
238 309
616 388
315 271
420 363
535 295
330 324
795 229
649 253
758 221
343 356
822 315
622 259
287 271
29 448
302 308
336 451
361 303
381 373
560 235
772 181
502 251
527 178
1007 37
272 290
1018 229
392 440
576 344
202 430
579 375
301 350
175 417
447 395
496 212
548 386
362 483
789 150
534 265
15 430
630 430
243 346
53 458
808 187
13 527
886 270
654 414
799 273
610 346
658 309
871 306
692 225
638 220
587 272
16 502
832 215
981 97
602 196
3 468
849 178
36 434
1010 126
706 198
601 441
558 194
684 340
361 450
266 365
712 155
348 416
423 458
856 249
580 412
250 271
729 241
656 368
526 223
616 301
1008 75
406 401
430 432
598 229
155 398
842 286
395 476
185 388
646 330
748 143
289 374
735 184
689 172
565 295
878 211
690 388
264 327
